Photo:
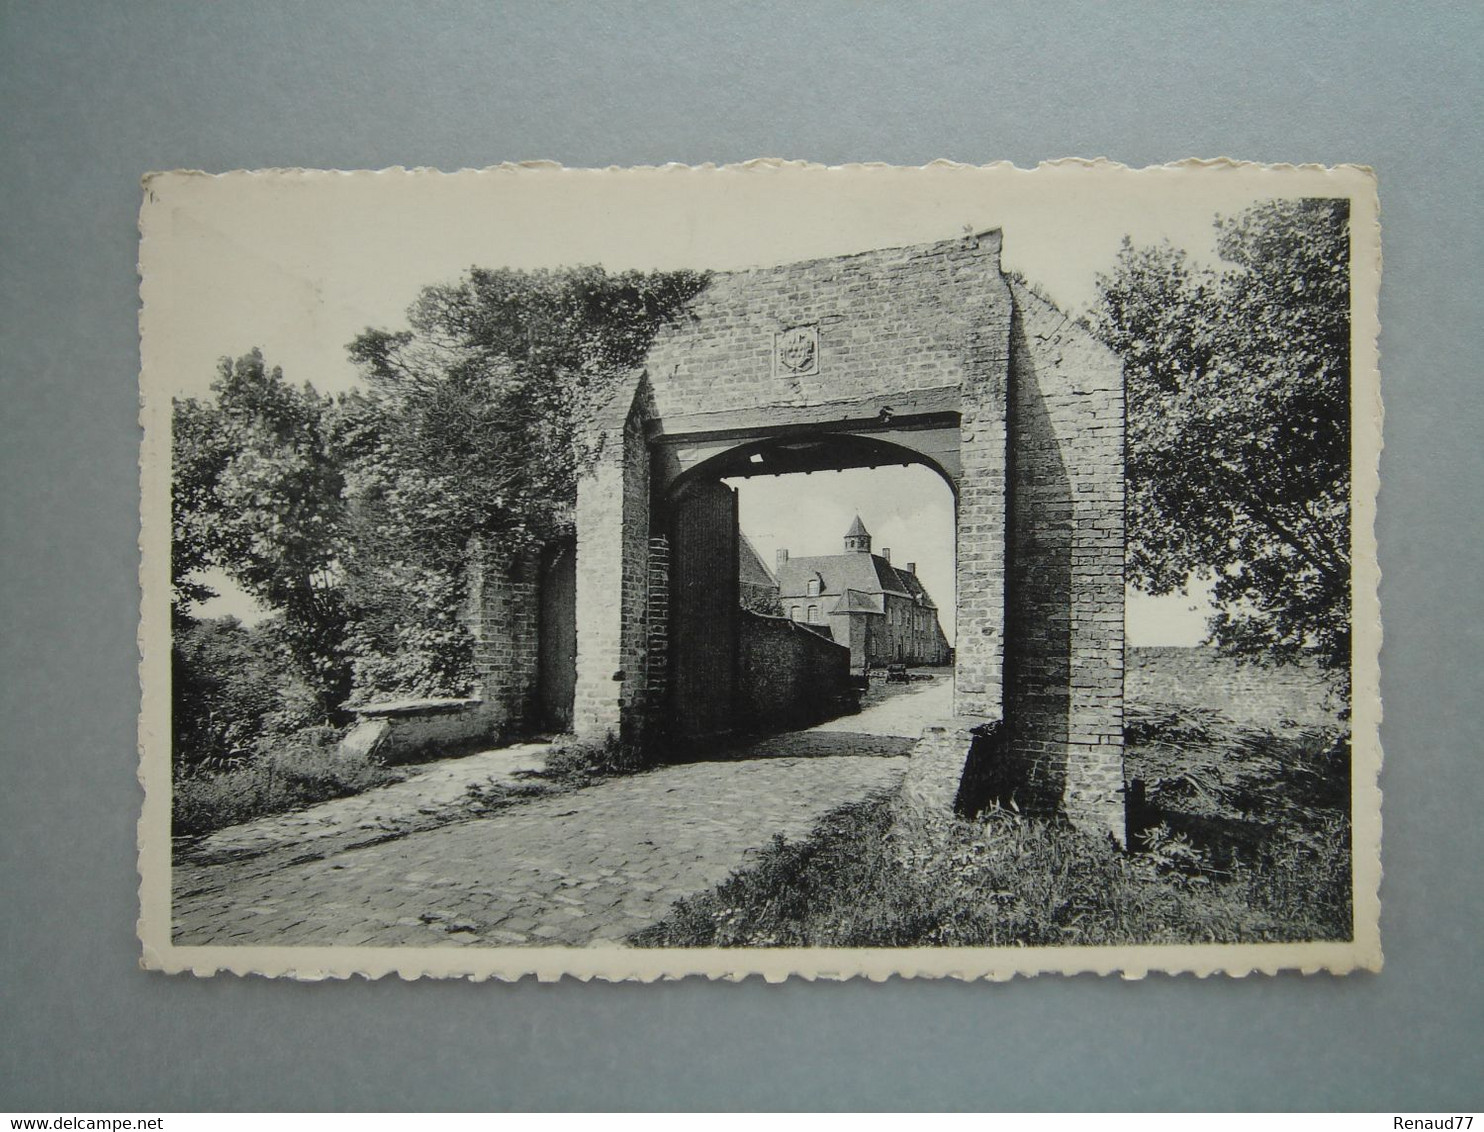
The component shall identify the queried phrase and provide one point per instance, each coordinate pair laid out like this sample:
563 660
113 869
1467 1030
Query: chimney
778 562
912 568
886 553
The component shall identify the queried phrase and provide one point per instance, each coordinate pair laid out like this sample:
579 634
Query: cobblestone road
431 791
575 869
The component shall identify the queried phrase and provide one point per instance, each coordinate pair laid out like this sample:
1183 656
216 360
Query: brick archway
695 533
928 349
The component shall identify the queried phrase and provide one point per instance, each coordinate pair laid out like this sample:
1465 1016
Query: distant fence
789 674
1248 693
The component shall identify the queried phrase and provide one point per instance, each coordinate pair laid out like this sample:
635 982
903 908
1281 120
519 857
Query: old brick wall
890 321
1200 677
657 674
982 505
613 567
503 617
1064 630
787 675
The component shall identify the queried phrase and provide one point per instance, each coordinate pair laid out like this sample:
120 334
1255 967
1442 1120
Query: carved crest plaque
796 351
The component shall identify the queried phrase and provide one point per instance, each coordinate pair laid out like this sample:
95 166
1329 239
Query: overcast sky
298 265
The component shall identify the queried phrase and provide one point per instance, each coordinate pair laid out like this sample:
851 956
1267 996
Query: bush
235 691
580 760
306 770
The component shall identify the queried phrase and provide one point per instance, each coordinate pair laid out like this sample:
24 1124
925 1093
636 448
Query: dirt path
578 868
905 714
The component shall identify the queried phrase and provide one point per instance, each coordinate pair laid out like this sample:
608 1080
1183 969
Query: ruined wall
503 617
1064 620
788 675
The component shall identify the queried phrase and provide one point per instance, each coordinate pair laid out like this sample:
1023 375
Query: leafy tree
231 688
256 492
482 397
467 440
761 601
355 519
1239 424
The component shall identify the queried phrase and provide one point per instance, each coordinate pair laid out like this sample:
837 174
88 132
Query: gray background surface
94 95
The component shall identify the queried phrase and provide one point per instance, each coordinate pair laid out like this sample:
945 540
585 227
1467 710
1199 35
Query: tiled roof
853 601
866 573
751 569
914 586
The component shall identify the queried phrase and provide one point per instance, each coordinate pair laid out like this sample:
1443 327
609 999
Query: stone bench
399 731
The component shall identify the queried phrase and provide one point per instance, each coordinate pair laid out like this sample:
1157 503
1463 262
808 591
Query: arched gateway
926 354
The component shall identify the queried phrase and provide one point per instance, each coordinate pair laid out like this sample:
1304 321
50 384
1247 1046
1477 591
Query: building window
813 587
794 612
814 615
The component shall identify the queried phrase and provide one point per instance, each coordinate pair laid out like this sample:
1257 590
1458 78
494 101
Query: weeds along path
577 868
434 794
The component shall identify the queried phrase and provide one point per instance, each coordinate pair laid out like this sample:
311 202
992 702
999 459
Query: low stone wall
789 675
1200 677
932 790
405 730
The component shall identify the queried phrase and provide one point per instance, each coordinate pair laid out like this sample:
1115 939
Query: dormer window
814 585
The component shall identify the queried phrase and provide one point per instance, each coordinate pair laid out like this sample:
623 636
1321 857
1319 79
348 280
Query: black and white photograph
632 573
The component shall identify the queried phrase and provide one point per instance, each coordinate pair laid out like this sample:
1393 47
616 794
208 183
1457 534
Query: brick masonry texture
890 321
1064 662
1201 677
930 788
504 615
789 675
981 523
613 567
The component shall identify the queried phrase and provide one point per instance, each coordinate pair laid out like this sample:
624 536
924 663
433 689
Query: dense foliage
1239 424
353 519
257 491
469 437
1205 872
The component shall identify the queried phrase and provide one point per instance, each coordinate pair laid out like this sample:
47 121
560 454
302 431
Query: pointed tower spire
857 539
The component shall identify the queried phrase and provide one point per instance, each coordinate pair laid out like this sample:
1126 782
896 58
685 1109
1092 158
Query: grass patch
1243 838
1007 880
306 770
577 762
486 799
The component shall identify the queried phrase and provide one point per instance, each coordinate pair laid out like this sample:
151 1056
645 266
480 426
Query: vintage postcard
771 569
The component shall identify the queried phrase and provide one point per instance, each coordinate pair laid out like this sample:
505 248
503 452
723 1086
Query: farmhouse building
881 612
